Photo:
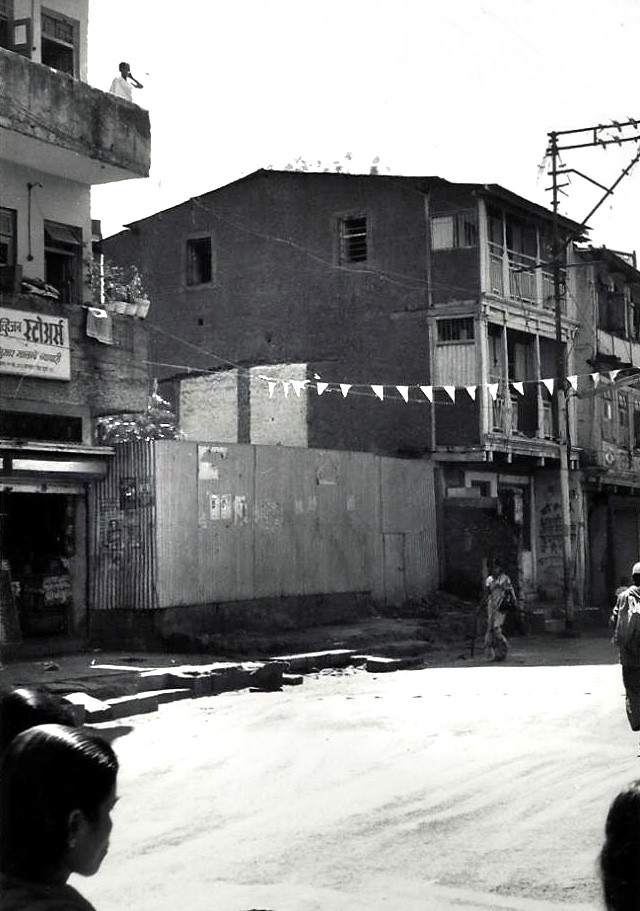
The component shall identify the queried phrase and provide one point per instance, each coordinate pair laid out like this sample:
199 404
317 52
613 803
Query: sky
467 90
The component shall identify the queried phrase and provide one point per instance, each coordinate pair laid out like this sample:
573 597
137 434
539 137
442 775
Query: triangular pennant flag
428 391
596 378
472 391
573 382
451 392
404 392
379 391
285 386
493 390
298 386
321 387
519 387
613 374
272 386
344 388
549 385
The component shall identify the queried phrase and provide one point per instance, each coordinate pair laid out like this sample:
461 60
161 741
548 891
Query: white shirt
121 88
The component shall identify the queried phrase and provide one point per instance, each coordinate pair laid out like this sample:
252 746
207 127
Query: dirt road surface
481 787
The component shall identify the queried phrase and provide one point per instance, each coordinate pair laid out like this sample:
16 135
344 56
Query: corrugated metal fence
241 522
122 558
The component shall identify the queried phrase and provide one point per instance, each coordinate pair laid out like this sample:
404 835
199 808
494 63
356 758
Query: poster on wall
34 344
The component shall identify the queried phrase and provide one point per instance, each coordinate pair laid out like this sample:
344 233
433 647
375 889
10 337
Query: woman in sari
499 598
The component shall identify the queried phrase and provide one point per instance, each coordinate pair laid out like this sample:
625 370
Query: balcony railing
519 277
510 413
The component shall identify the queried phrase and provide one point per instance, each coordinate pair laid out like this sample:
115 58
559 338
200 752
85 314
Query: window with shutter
354 240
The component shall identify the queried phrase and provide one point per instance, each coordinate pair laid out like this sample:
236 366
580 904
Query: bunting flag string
493 389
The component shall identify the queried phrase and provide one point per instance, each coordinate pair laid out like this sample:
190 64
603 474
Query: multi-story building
441 293
61 365
607 353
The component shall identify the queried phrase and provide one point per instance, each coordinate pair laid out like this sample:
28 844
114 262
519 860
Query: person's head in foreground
57 790
635 573
25 707
620 855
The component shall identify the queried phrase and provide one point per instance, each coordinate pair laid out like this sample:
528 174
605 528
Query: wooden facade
180 523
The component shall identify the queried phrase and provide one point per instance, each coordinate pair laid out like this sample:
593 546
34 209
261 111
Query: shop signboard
34 344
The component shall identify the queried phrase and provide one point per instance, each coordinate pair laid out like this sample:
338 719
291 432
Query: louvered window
354 239
60 43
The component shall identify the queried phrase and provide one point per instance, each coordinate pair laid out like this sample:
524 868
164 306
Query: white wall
280 420
208 407
59 200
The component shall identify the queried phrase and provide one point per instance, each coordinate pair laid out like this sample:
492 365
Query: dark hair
619 856
26 707
46 773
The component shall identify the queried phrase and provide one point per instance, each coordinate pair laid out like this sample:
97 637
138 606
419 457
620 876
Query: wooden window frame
354 239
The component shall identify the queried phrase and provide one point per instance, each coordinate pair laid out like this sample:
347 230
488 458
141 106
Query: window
455 330
547 420
7 237
353 239
26 425
199 264
623 419
449 232
634 315
6 15
607 415
60 42
9 273
63 260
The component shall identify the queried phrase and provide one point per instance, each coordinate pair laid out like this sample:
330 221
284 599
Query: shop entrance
39 543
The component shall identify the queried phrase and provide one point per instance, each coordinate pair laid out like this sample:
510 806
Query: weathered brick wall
208 407
104 378
279 296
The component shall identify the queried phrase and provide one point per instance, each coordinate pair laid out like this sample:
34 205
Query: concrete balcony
61 126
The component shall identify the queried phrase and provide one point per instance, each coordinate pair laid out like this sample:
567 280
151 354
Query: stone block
94 709
136 704
308 661
292 679
378 665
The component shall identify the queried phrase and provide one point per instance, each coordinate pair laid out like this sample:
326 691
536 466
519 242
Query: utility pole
601 135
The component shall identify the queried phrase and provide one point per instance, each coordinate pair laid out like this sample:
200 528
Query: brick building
608 433
396 281
60 364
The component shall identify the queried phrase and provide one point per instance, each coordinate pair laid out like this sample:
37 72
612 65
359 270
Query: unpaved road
467 788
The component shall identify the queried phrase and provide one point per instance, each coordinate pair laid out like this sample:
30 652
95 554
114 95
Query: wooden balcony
518 277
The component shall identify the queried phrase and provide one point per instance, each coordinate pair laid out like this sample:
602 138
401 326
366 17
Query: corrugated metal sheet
456 364
122 539
238 522
409 529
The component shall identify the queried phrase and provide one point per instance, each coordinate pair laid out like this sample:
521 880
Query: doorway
39 543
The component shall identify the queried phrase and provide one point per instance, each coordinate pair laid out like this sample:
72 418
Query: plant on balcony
157 422
119 288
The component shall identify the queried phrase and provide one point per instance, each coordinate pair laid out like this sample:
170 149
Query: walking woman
499 599
620 856
57 791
